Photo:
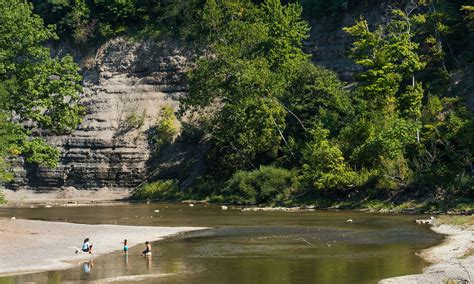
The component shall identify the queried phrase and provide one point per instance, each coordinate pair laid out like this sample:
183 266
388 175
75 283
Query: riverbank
40 245
453 260
64 195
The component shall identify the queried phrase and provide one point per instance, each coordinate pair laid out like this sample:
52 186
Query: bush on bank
2 198
261 186
161 190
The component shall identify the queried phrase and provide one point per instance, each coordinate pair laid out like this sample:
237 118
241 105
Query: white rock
349 221
157 211
191 205
13 218
223 207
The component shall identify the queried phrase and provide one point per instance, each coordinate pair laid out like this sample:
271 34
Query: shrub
6 173
159 190
37 151
206 187
2 197
324 166
262 186
165 129
134 120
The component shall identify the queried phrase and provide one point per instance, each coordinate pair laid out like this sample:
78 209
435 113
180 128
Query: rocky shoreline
452 260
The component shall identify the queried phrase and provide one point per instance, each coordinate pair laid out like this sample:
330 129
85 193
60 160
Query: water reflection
125 258
148 262
87 266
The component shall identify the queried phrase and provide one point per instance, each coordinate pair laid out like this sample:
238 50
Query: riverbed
244 246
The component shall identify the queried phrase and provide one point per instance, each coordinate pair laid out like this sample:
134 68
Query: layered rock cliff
123 80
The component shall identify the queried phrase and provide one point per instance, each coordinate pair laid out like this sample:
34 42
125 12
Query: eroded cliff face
124 79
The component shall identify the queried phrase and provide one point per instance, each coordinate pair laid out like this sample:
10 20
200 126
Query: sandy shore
450 260
27 245
64 195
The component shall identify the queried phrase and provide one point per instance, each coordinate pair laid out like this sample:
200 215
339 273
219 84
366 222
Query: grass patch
134 120
376 205
465 207
464 221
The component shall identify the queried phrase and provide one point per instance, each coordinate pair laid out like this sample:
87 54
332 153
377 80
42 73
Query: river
246 247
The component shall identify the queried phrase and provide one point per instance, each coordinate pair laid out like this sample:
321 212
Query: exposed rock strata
123 78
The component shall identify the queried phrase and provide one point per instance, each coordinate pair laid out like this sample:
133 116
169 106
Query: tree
324 166
253 54
393 108
37 92
388 97
389 57
77 20
316 95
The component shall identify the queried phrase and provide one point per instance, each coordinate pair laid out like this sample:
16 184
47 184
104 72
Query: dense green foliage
37 92
2 198
276 127
159 190
256 50
84 21
165 129
399 127
266 185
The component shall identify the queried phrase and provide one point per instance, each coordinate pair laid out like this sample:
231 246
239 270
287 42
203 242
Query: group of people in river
87 247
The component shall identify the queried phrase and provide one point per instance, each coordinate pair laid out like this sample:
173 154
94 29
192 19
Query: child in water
147 250
125 246
86 246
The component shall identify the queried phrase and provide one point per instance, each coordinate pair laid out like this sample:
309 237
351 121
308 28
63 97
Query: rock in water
430 221
223 207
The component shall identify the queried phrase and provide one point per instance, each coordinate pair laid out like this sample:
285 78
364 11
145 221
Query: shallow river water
245 247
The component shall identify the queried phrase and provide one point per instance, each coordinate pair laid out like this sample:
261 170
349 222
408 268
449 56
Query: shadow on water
245 247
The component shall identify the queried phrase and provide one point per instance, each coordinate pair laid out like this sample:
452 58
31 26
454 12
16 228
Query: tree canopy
39 93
